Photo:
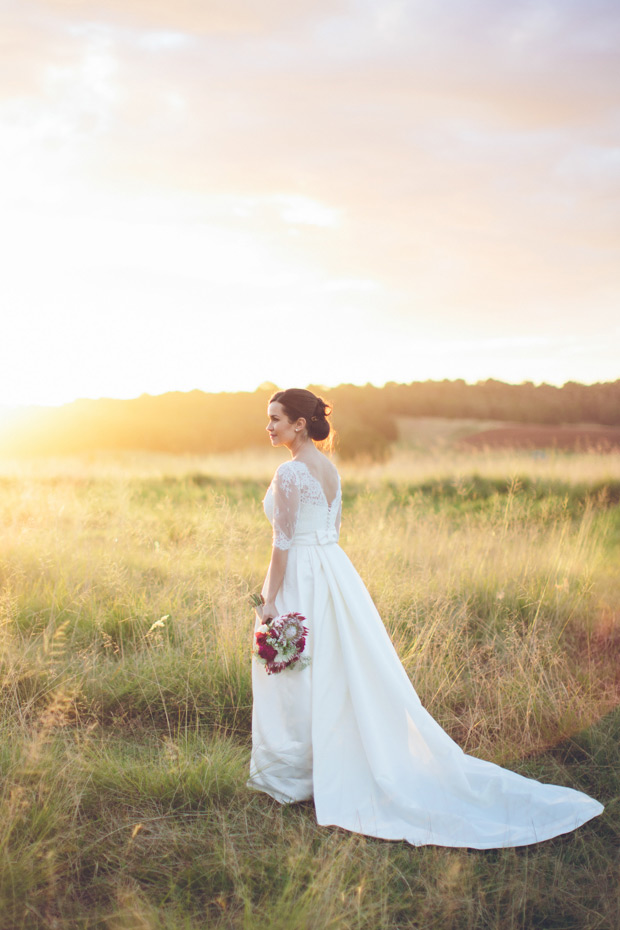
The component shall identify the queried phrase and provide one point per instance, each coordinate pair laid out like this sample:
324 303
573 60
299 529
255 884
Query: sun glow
133 302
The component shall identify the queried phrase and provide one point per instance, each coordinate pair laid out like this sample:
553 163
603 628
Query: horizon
7 408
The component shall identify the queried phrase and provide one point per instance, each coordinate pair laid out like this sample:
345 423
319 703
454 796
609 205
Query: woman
349 730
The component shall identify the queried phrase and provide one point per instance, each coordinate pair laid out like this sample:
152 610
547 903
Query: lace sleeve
286 500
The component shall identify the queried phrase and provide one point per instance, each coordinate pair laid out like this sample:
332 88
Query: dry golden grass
126 693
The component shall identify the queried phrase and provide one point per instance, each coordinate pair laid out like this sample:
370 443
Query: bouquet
279 643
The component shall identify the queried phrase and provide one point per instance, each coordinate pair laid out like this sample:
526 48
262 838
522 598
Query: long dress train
350 731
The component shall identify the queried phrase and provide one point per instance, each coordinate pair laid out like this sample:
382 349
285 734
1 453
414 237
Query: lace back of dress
296 489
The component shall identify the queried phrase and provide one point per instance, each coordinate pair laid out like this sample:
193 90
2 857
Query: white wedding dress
349 730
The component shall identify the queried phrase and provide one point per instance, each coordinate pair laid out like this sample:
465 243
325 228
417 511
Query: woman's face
281 430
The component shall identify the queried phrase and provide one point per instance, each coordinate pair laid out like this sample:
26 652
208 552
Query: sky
218 194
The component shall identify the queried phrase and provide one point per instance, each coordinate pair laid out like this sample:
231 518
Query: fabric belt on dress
316 538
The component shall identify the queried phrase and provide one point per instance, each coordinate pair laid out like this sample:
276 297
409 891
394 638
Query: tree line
364 416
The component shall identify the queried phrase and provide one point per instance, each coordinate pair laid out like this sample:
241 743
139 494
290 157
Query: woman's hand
269 611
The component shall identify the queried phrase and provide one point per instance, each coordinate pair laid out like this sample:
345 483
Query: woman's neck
302 448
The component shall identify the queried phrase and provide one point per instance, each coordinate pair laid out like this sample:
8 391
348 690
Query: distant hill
367 417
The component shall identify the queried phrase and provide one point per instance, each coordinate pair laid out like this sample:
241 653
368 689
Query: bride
349 730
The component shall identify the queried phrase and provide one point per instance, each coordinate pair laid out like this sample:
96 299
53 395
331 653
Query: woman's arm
286 503
275 576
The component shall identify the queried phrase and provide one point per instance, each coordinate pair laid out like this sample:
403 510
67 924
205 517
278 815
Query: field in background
428 449
423 433
126 697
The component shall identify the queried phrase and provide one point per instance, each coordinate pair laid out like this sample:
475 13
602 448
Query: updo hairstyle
297 402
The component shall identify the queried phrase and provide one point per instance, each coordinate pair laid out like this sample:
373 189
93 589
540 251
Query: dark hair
297 402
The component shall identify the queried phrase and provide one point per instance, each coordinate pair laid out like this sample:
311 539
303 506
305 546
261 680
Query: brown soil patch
580 439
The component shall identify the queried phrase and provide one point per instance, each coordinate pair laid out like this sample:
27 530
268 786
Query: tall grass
126 696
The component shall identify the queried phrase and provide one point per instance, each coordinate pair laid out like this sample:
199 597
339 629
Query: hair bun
322 409
319 426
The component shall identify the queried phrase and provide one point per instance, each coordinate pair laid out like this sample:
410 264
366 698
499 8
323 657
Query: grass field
126 696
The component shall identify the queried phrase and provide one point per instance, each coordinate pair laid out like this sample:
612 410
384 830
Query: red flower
266 651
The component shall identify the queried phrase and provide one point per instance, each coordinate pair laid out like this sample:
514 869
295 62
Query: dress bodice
297 508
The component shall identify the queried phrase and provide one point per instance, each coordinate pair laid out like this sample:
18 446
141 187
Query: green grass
126 697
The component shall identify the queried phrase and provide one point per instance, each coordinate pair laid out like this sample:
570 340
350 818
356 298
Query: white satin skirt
350 732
